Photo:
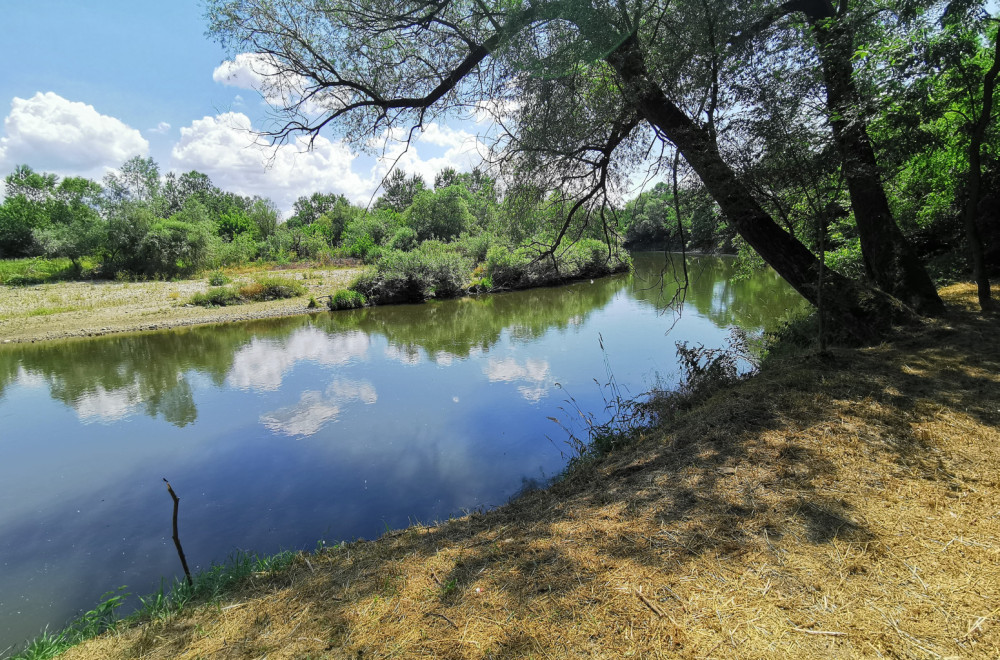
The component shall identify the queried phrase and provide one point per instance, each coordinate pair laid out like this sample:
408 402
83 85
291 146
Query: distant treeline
422 241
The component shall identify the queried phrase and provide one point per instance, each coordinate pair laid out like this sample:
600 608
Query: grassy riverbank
833 506
62 310
66 309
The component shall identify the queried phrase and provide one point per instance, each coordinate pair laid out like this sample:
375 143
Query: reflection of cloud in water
406 354
536 373
315 409
263 364
107 405
30 379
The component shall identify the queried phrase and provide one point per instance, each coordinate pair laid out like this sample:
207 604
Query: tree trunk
865 316
977 256
889 260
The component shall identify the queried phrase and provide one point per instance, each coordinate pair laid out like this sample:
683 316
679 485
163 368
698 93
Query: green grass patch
347 300
15 272
261 289
207 587
218 278
49 311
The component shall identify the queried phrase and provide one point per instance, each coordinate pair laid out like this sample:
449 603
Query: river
279 434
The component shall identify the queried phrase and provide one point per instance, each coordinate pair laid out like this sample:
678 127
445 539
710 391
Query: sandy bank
67 310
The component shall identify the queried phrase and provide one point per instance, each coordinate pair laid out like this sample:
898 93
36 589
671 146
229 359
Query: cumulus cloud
161 128
279 88
225 148
246 71
462 151
68 137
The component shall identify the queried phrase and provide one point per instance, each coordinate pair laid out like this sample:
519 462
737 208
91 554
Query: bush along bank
445 270
259 290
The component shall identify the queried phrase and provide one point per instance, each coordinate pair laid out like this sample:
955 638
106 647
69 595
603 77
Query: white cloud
51 133
225 148
279 88
161 128
246 71
463 151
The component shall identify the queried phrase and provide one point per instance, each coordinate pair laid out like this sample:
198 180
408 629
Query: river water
279 434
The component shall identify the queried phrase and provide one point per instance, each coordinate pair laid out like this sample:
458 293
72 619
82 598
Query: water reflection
533 375
280 432
263 363
315 409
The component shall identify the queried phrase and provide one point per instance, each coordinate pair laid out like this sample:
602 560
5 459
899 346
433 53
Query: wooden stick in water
177 539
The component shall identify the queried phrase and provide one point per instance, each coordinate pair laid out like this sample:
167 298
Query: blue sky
87 84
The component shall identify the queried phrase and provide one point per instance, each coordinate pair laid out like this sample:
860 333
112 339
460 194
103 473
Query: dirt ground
84 309
844 505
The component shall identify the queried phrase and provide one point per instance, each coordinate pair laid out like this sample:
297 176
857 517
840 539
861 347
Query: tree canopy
586 93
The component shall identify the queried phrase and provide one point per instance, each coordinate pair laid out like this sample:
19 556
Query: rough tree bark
889 259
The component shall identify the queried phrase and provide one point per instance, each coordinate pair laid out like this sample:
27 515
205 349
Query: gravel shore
66 310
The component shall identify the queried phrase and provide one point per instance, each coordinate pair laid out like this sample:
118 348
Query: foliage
399 191
704 371
431 271
218 278
365 234
19 218
38 270
440 214
346 300
236 222
261 289
287 243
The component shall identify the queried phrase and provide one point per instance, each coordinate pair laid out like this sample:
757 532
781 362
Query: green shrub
218 278
405 239
433 270
346 300
220 296
585 258
38 270
506 268
240 251
265 288
476 246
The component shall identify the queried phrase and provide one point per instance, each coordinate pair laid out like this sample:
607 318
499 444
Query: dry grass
837 506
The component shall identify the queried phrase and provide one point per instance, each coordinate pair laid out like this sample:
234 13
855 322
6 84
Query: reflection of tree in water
110 376
459 327
761 300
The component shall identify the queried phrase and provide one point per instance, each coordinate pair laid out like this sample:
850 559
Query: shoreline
66 310
78 310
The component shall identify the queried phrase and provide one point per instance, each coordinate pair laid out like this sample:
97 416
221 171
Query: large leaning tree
582 92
